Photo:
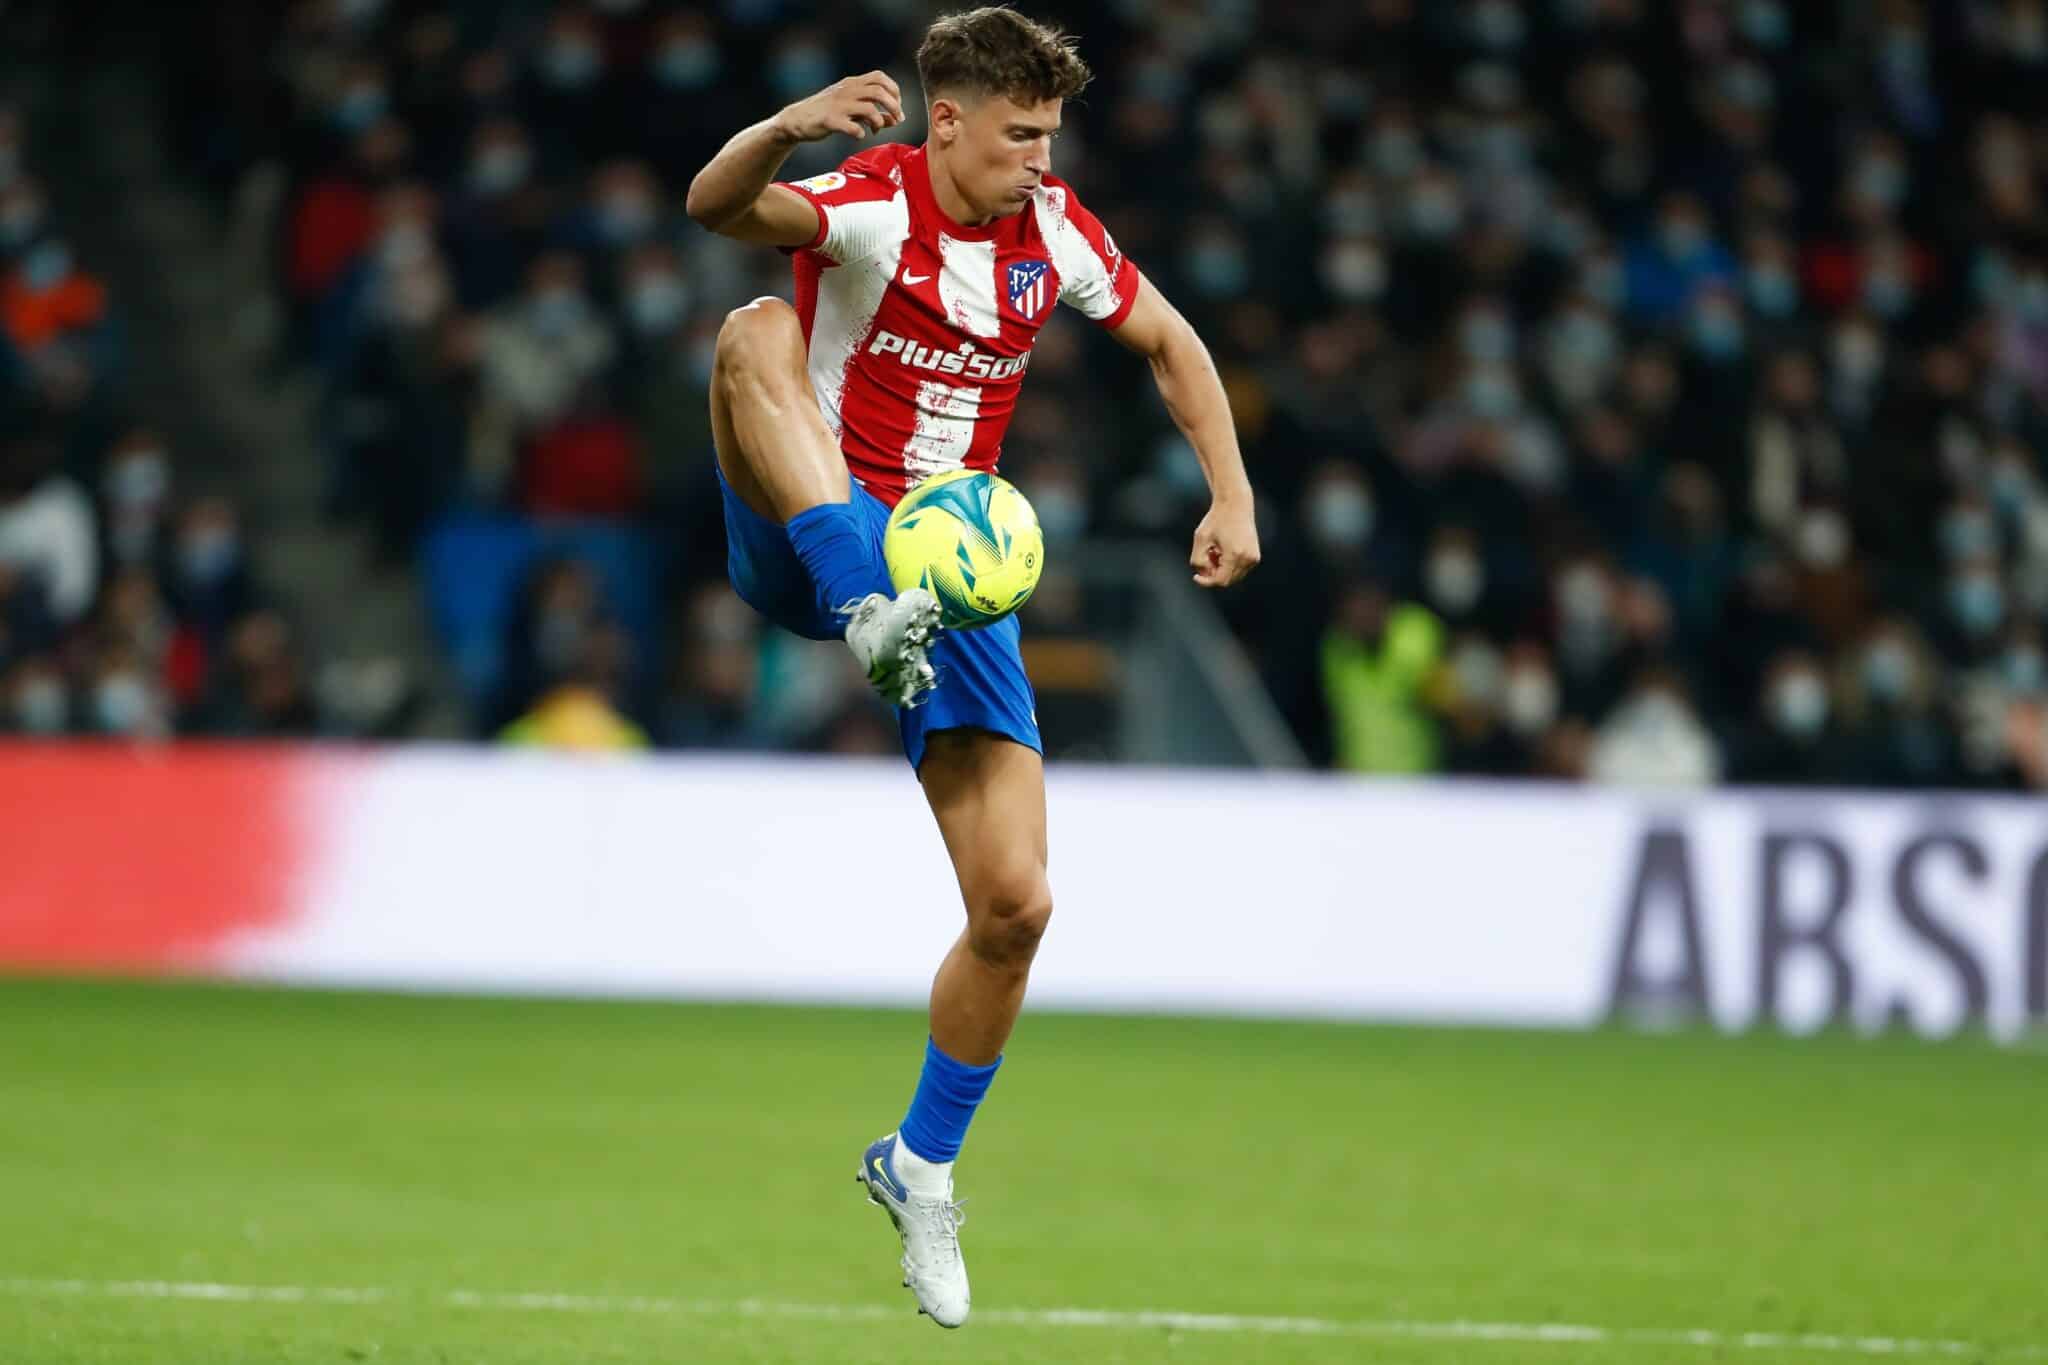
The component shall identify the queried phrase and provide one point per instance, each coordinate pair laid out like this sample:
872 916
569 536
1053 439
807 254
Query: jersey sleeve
857 213
1095 277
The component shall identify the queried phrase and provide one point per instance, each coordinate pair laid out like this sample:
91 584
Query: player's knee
761 338
1008 917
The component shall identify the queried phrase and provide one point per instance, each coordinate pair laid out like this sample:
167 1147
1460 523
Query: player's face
996 149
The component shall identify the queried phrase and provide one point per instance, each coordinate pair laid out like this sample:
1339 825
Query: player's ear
944 121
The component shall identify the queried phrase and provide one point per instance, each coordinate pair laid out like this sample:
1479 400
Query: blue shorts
981 672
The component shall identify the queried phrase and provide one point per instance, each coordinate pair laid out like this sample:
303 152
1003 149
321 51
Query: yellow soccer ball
969 538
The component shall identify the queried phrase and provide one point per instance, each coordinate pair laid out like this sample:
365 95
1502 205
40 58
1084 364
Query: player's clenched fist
856 106
1226 544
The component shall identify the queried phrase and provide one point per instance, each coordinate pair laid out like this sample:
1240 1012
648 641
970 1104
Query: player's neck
947 194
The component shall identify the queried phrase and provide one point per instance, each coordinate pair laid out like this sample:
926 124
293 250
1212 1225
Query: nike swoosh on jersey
909 278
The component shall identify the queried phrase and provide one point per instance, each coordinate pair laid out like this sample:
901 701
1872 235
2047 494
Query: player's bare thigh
988 794
772 444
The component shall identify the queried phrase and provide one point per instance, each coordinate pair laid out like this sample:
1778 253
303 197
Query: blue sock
833 544
947 1095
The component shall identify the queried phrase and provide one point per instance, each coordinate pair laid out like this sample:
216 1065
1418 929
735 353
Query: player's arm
734 196
1227 542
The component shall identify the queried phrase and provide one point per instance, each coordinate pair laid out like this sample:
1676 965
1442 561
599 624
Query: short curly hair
997 51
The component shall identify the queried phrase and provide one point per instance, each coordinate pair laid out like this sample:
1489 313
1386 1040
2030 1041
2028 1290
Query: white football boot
933 1268
892 638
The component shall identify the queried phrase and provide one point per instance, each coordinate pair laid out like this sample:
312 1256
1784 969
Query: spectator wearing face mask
1613 132
498 215
1895 733
404 235
1763 618
621 210
135 498
1736 100
1341 516
566 89
1901 70
1718 373
1972 613
1771 288
1668 268
1458 585
685 66
1792 737
1530 700
541 351
58 338
1426 274
1149 113
1579 353
122 702
1833 579
402 452
654 302
1590 629
1216 265
36 699
1466 696
210 581
560 608
333 217
1654 738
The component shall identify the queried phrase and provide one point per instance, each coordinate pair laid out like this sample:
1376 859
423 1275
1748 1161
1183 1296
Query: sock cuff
945 1066
948 1093
824 514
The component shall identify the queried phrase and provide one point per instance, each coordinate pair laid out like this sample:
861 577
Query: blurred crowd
1649 391
127 605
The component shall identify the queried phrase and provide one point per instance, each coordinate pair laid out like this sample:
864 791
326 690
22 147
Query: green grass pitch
198 1176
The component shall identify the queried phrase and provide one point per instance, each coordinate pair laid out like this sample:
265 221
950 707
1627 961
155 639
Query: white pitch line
1229 1323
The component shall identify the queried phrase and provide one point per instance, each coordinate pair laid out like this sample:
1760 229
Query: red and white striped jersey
920 328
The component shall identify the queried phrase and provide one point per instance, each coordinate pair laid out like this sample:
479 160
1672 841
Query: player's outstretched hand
1226 545
856 106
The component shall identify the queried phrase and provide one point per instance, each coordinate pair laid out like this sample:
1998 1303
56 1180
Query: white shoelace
946 1220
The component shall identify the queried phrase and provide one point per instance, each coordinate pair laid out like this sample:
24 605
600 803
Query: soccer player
922 277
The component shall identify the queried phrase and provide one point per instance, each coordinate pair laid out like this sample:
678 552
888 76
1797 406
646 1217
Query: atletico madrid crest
1027 288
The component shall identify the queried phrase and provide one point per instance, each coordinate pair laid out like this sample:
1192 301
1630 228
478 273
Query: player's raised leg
778 459
988 793
773 446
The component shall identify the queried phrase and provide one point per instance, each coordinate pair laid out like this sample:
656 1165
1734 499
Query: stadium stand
1635 391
